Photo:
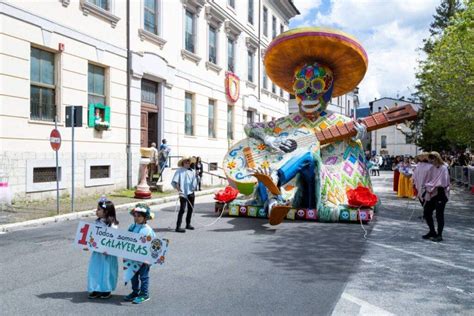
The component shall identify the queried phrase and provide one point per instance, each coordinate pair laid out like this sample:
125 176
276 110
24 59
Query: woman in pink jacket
436 196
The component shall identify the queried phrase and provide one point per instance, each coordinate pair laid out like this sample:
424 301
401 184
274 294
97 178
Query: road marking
365 307
446 263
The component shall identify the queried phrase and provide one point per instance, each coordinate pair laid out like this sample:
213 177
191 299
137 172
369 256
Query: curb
67 217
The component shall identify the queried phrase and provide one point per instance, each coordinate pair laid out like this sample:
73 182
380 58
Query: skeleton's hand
361 131
278 143
270 172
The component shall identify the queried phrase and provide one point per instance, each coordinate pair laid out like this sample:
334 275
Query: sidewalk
41 212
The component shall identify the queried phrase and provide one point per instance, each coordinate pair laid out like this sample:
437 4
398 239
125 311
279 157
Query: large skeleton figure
318 179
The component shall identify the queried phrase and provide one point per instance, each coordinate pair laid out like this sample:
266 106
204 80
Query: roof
400 100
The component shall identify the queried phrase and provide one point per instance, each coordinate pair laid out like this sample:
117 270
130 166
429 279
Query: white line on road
365 307
424 257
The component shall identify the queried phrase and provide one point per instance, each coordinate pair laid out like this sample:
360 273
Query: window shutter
91 117
107 114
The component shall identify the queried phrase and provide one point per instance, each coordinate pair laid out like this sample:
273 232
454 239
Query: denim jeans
141 274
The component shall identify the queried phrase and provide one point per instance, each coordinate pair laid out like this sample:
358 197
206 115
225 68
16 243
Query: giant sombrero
337 50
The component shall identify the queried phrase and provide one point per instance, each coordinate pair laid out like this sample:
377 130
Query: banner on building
232 86
121 243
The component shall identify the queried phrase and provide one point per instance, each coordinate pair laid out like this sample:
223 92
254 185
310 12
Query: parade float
309 165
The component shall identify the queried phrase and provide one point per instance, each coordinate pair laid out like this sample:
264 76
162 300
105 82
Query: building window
264 117
250 66
274 88
383 141
281 92
230 55
265 80
282 29
250 12
231 3
265 21
46 174
190 32
212 44
151 16
274 27
103 4
230 122
42 86
149 92
96 85
188 114
100 172
250 117
211 131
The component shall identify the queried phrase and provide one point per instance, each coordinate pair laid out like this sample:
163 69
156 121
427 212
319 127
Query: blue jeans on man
141 276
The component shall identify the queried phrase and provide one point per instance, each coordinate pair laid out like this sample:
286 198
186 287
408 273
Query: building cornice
213 16
145 35
47 25
88 7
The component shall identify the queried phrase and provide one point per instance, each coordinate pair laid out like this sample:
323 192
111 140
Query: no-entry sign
55 139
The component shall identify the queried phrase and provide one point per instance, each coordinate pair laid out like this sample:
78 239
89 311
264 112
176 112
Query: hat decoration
143 208
340 52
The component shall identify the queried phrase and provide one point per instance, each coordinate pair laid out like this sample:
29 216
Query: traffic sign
55 139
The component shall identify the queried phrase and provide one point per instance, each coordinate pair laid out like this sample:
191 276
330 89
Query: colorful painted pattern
343 165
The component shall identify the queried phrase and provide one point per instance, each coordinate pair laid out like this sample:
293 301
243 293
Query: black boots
180 230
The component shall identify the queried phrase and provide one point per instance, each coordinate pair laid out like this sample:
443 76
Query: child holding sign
134 270
103 268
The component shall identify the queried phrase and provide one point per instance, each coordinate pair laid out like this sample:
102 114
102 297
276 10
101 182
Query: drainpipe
129 69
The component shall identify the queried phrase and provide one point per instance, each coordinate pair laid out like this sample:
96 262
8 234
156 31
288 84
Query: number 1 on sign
84 231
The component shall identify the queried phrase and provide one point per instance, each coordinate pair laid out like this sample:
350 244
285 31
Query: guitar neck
375 121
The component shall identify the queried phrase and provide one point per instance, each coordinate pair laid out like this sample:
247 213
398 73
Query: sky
391 32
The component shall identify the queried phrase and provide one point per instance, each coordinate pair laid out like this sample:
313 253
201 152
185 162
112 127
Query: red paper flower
361 196
226 195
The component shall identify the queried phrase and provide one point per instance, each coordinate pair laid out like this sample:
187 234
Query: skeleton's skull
313 87
156 245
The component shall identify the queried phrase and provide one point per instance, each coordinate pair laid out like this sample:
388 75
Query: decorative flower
265 164
231 164
261 146
148 238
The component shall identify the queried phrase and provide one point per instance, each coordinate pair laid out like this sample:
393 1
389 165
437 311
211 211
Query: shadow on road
81 297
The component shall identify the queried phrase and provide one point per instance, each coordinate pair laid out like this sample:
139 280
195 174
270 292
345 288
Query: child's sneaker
130 297
140 299
105 295
93 295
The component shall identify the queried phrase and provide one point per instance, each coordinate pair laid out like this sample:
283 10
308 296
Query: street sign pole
57 169
72 159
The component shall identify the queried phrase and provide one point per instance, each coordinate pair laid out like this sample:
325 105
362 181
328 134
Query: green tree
444 12
446 86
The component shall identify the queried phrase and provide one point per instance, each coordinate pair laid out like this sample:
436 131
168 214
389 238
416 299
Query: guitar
251 153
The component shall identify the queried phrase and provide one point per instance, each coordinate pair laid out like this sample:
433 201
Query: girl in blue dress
103 268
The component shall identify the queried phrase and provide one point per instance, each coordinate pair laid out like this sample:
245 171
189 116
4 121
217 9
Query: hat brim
343 54
148 216
191 159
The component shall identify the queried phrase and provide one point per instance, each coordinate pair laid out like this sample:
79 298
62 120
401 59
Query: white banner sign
121 243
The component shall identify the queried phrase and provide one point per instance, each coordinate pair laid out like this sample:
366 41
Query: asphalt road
243 266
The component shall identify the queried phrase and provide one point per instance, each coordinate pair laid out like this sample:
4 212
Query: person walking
405 182
199 171
153 166
140 278
185 182
103 269
437 195
163 154
420 174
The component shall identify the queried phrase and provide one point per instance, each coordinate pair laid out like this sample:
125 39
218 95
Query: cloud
390 31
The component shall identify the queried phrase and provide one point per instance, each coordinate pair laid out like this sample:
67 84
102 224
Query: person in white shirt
185 182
